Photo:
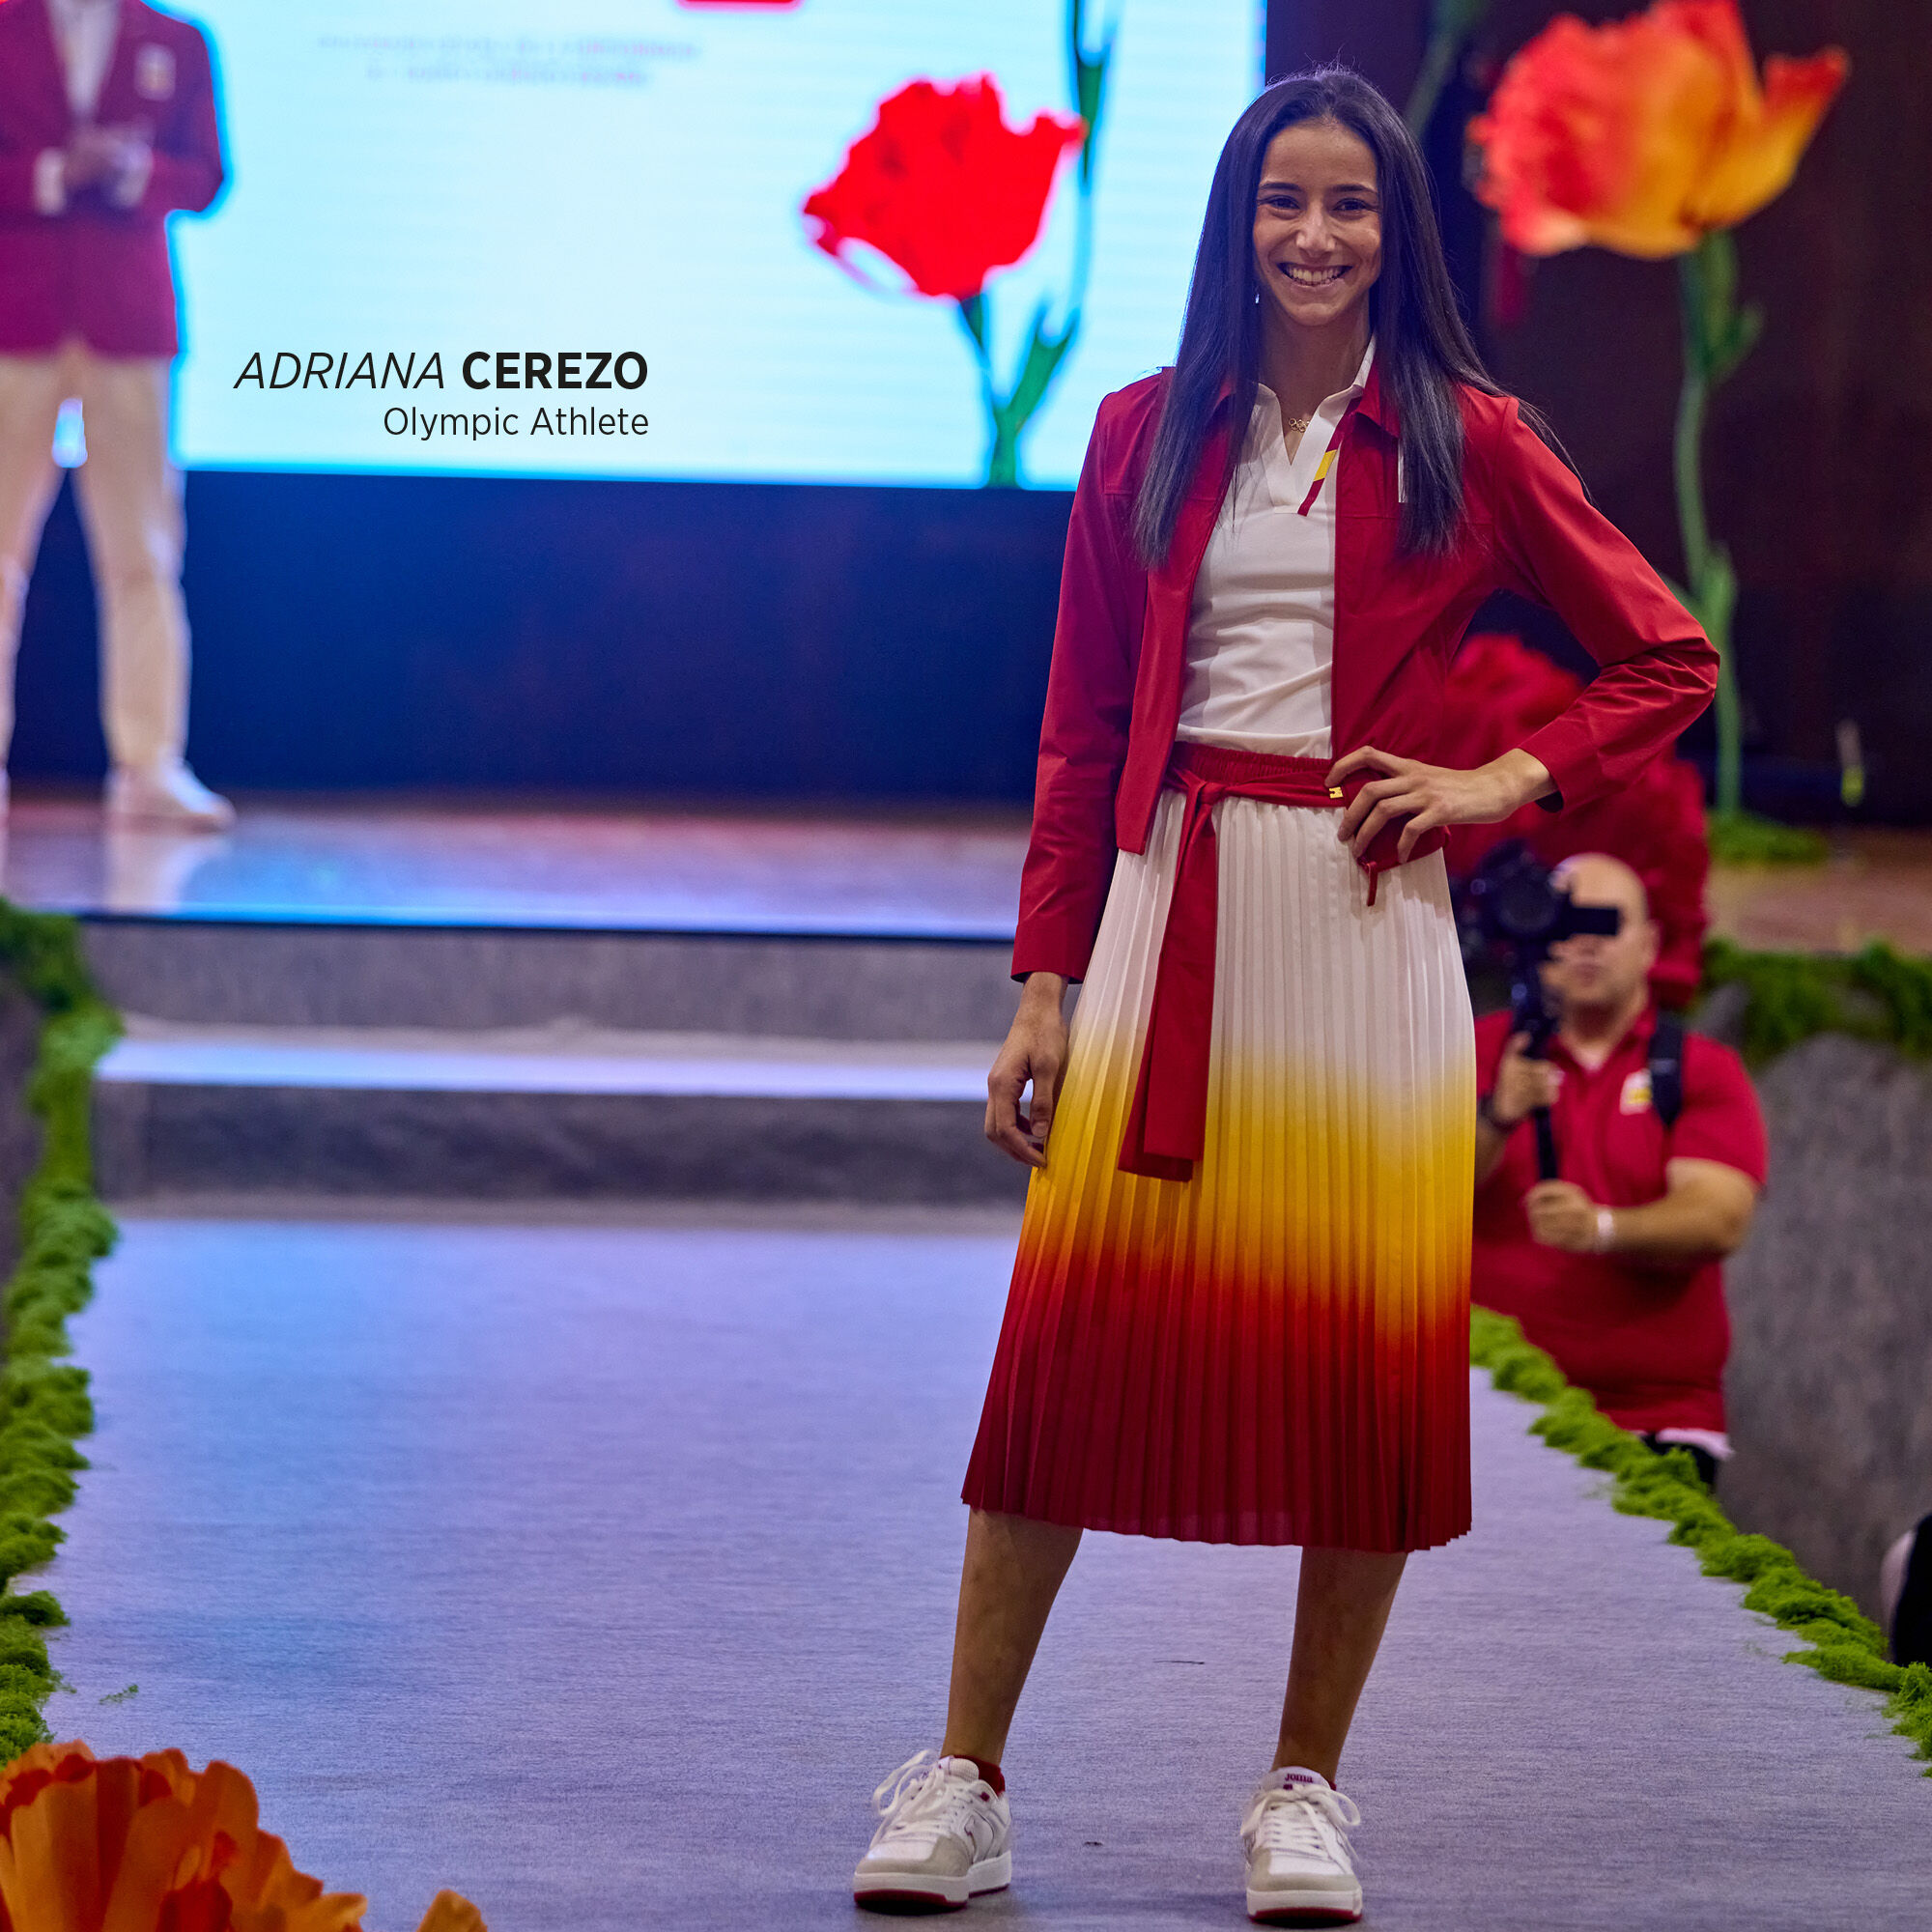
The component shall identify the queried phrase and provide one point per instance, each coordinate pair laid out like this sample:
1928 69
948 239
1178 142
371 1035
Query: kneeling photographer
1657 1151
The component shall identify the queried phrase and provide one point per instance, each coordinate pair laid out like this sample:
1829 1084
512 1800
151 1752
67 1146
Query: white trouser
131 506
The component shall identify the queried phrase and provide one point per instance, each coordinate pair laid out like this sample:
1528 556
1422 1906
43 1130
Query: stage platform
394 996
385 860
601 1570
936 874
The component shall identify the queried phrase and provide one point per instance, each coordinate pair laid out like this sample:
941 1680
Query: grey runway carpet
601 1571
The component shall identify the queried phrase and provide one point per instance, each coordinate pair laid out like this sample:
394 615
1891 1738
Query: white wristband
1606 1231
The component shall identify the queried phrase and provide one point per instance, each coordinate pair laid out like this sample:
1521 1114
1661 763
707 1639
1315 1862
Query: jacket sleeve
1658 669
16 178
1083 739
188 168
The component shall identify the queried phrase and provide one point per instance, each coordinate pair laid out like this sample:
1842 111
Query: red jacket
97 270
1118 651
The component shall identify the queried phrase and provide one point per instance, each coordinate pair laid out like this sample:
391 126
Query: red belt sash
1167 1126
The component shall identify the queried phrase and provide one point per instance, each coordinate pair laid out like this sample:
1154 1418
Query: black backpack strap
1666 1069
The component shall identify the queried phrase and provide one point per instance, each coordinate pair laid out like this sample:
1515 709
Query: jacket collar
1376 404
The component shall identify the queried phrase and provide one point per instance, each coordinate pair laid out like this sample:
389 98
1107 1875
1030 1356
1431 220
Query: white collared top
1260 642
85 31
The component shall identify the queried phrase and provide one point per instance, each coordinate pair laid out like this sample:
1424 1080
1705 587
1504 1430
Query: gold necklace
1296 424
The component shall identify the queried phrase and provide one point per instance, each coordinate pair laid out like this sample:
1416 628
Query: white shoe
943 1838
168 798
1300 1868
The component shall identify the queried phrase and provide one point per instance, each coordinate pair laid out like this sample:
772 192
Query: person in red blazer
109 125
1240 1310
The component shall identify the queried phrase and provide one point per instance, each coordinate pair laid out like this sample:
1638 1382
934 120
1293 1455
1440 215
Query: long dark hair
1422 345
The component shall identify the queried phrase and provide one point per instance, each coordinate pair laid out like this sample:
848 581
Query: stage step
558 1112
815 985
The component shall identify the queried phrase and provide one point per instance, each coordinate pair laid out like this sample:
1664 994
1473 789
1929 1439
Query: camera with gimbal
1512 910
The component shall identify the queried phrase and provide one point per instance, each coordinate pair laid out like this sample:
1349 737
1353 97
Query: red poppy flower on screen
942 187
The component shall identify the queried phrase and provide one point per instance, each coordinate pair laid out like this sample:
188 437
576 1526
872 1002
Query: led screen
436 200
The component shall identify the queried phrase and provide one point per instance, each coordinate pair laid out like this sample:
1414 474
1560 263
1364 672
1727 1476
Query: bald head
1598 971
1596 879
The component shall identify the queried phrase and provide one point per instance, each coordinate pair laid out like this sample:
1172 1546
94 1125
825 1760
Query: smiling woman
1341 208
1318 243
1240 1309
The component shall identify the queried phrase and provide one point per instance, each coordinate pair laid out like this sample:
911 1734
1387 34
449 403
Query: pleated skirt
1277 1350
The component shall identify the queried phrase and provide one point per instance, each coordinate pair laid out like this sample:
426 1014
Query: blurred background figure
1501 691
108 124
1614 1268
1905 1594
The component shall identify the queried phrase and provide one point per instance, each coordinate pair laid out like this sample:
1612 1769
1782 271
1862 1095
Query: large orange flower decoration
1646 134
942 187
145 1844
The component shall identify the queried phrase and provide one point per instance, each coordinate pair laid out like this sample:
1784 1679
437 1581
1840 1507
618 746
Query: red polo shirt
1649 1343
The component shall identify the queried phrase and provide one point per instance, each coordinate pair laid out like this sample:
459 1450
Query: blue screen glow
421 185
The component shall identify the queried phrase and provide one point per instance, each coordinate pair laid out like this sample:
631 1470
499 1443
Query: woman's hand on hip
1426 796
1036 1051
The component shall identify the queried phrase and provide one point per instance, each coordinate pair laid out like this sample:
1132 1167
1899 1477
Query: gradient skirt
1277 1350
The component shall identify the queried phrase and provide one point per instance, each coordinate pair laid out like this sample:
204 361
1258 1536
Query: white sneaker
168 798
1300 1869
943 1838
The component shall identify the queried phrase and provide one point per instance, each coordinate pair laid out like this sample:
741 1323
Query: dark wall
1831 1325
363 631
1380 39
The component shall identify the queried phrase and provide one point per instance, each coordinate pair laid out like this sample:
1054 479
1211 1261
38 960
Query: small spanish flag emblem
1321 471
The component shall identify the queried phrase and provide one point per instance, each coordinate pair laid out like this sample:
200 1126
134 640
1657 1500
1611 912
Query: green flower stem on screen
1047 348
1008 416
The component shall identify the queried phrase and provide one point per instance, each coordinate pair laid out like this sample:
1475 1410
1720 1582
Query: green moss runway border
45 1407
1848 1647
1876 994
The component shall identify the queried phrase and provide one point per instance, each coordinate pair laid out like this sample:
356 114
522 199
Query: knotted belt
1167 1126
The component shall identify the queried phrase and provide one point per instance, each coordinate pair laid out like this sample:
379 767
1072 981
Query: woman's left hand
1426 796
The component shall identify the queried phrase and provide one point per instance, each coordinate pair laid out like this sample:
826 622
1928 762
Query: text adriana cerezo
482 369
494 369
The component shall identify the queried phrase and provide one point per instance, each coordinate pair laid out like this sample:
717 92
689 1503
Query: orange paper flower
1646 134
145 1844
